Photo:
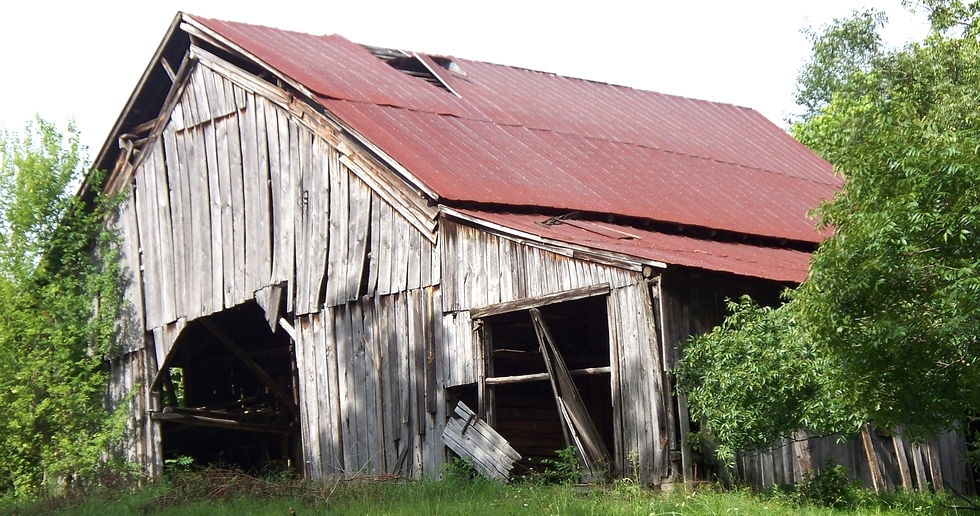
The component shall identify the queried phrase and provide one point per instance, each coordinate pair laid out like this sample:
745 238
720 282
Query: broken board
472 438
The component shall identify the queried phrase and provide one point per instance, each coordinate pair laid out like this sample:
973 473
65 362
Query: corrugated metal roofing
772 263
525 138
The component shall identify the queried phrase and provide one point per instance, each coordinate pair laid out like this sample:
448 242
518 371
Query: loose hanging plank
339 206
238 206
359 218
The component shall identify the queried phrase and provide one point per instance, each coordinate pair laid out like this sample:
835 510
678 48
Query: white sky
82 59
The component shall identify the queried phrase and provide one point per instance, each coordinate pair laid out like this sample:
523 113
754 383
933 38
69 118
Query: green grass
218 492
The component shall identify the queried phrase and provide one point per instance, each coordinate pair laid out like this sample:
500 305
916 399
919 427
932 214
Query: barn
351 260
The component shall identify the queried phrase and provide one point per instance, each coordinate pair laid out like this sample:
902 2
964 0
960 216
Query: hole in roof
412 64
448 64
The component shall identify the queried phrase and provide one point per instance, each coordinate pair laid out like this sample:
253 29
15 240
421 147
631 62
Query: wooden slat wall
936 463
134 357
364 397
140 443
482 269
238 195
131 324
639 376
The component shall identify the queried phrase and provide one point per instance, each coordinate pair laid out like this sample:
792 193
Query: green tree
886 327
59 294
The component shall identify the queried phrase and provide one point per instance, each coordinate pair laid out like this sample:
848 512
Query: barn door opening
229 393
519 395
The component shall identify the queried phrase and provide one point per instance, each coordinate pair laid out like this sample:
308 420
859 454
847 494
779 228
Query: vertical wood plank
218 151
238 207
250 193
146 222
290 167
334 435
219 184
305 212
341 337
261 232
399 263
276 189
203 224
339 226
414 267
373 250
359 218
324 163
164 230
385 244
492 270
177 210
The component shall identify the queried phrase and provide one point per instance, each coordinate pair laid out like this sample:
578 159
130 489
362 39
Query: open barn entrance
529 354
228 391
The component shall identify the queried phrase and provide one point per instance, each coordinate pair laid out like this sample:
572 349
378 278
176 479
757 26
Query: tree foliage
59 293
886 327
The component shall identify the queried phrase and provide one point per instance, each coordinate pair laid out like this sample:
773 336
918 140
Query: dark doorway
520 402
229 393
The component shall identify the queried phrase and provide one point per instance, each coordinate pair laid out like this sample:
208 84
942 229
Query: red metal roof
525 138
772 263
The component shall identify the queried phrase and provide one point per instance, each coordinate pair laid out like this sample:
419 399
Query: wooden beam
231 424
534 302
284 324
259 372
505 380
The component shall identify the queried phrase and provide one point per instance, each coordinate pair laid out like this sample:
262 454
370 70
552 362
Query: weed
460 470
566 468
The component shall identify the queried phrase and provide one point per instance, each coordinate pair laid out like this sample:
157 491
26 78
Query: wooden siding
128 390
481 268
133 361
881 462
238 195
366 388
241 192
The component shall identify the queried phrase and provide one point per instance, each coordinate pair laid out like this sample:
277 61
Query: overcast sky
82 60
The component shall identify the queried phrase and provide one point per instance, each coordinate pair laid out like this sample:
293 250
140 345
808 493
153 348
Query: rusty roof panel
771 263
525 138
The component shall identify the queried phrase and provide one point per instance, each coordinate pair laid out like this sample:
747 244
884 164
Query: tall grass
223 492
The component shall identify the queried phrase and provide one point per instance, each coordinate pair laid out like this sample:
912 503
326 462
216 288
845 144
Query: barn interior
229 394
521 400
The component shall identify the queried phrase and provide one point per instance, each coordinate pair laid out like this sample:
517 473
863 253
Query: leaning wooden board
471 437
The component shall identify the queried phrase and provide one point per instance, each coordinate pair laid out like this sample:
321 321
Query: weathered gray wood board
129 391
471 437
900 464
238 195
482 268
523 271
363 397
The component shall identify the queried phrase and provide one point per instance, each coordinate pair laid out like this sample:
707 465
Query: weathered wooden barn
328 246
